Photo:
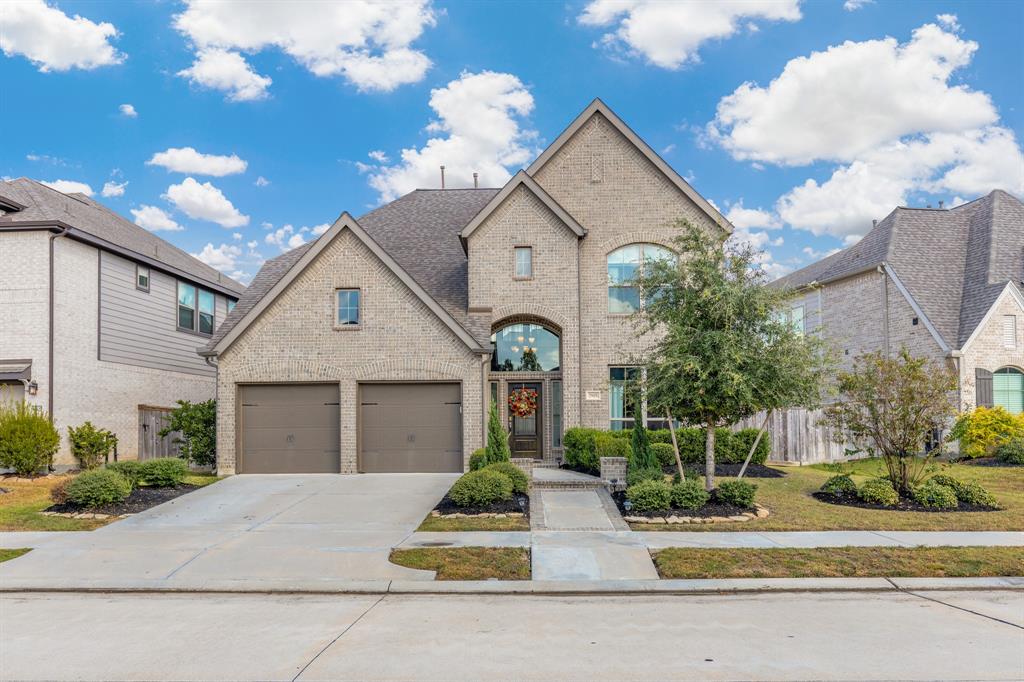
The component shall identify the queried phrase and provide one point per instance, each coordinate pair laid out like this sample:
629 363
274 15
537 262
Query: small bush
28 440
98 487
481 488
197 424
1011 452
968 493
935 495
635 475
738 493
606 445
982 430
649 496
840 485
580 449
59 492
91 446
879 491
520 481
478 460
689 494
131 469
664 453
164 472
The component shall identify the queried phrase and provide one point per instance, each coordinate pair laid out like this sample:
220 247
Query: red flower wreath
522 402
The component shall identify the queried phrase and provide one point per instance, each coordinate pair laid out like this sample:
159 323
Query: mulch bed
987 462
903 505
753 471
712 508
139 500
447 506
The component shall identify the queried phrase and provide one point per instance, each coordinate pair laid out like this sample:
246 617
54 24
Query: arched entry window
623 297
1008 389
525 347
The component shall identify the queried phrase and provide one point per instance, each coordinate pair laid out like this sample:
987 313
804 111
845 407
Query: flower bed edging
483 515
758 513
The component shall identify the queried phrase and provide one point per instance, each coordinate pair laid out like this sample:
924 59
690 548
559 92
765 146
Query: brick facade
987 351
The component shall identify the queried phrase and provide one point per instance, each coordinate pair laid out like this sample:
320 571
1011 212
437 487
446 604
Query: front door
526 431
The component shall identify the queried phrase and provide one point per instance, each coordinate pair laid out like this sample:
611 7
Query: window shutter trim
983 387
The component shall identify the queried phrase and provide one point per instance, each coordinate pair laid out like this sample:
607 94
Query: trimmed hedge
97 487
839 485
730 447
520 481
1011 452
689 494
664 453
164 472
934 494
879 491
738 493
480 488
131 469
634 475
648 496
968 493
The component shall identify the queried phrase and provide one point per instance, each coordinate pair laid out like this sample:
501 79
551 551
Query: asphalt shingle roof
45 204
954 262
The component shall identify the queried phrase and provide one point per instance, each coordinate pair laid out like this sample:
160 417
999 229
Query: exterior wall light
33 387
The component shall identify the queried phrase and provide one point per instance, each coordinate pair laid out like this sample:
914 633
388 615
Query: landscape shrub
738 493
689 494
935 495
968 493
497 438
478 460
664 453
579 449
481 488
635 475
1011 452
91 446
984 429
640 449
59 492
520 481
131 469
840 485
741 442
28 441
606 445
879 491
649 496
98 487
164 472
197 424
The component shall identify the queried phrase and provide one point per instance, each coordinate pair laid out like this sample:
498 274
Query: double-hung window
627 401
195 309
524 262
348 308
623 294
142 278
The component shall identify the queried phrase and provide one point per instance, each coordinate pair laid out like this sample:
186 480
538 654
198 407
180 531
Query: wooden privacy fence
796 436
152 420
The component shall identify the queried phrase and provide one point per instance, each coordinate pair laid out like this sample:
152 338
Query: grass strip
468 563
8 554
438 524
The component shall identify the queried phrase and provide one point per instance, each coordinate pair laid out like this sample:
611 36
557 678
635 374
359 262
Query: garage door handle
365 404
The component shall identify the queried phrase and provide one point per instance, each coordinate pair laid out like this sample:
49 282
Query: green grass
468 563
847 562
202 479
792 507
8 554
437 524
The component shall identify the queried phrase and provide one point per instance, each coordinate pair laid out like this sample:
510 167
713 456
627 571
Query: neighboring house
379 346
942 283
100 320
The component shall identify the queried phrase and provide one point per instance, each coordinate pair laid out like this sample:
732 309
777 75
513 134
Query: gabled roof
599 107
522 179
302 258
43 206
955 263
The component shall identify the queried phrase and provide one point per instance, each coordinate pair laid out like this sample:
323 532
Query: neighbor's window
348 307
142 277
195 309
206 308
623 296
796 319
1008 389
525 348
524 262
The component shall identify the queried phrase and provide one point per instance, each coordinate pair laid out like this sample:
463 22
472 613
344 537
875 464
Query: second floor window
623 295
524 262
195 309
348 308
142 278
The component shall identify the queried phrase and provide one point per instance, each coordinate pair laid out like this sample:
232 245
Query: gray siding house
100 320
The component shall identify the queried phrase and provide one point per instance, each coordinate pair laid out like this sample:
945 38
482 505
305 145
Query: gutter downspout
49 365
885 309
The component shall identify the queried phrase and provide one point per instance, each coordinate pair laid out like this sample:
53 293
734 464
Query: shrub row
938 492
487 485
659 495
114 482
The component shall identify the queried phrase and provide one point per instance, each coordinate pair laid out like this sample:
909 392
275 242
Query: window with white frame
195 309
524 262
141 277
1008 389
623 295
348 308
796 319
1009 332
627 403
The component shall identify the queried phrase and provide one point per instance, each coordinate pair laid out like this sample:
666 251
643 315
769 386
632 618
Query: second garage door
290 429
410 428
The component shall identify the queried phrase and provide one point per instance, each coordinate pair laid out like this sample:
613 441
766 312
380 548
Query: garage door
410 427
290 429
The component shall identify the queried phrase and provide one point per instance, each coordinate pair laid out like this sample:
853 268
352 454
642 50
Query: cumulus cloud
188 160
203 201
154 219
479 128
854 5
286 238
320 229
222 257
128 111
52 40
950 21
379 156
113 189
746 218
69 186
261 182
669 34
366 42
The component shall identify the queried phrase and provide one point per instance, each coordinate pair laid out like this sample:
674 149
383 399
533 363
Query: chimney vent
874 222
442 177
941 204
475 182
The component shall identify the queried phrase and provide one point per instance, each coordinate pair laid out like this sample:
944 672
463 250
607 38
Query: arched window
1008 389
623 297
525 347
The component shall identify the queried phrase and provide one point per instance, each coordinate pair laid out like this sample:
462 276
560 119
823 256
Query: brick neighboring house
943 283
90 322
379 346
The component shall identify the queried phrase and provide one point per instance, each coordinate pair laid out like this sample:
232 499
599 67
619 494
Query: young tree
895 404
497 438
640 443
197 423
721 350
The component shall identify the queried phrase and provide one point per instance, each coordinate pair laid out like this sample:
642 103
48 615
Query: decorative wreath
522 402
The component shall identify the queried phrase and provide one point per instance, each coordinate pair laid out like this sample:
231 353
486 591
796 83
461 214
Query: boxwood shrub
584 447
933 494
481 488
478 460
97 487
878 491
520 481
664 453
164 472
649 496
738 493
580 450
839 485
131 469
689 494
1011 452
968 493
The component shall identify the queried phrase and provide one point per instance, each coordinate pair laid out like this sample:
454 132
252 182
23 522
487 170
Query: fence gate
152 420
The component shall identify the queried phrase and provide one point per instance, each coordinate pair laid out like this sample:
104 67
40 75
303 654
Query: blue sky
250 125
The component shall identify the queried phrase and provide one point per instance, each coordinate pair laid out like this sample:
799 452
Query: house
100 320
942 283
379 347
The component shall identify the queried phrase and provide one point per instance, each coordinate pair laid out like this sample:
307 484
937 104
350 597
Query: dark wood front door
527 432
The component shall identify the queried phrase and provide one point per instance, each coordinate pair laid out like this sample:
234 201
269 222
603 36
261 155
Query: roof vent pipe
475 183
442 177
874 222
941 204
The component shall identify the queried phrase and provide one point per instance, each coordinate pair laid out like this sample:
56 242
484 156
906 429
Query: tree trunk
750 455
675 445
709 459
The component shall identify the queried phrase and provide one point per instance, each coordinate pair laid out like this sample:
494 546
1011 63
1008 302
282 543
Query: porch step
563 479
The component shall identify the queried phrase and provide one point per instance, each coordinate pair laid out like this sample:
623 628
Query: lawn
840 562
468 563
8 554
436 523
19 508
793 508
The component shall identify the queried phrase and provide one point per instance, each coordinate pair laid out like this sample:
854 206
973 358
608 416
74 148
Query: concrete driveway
269 531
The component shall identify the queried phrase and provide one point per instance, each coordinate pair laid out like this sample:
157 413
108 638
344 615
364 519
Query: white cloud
52 40
69 186
261 181
320 229
286 238
223 257
203 201
854 5
367 42
237 236
668 149
379 156
745 218
253 244
669 34
113 189
228 71
188 160
479 129
154 219
818 255
128 111
950 21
